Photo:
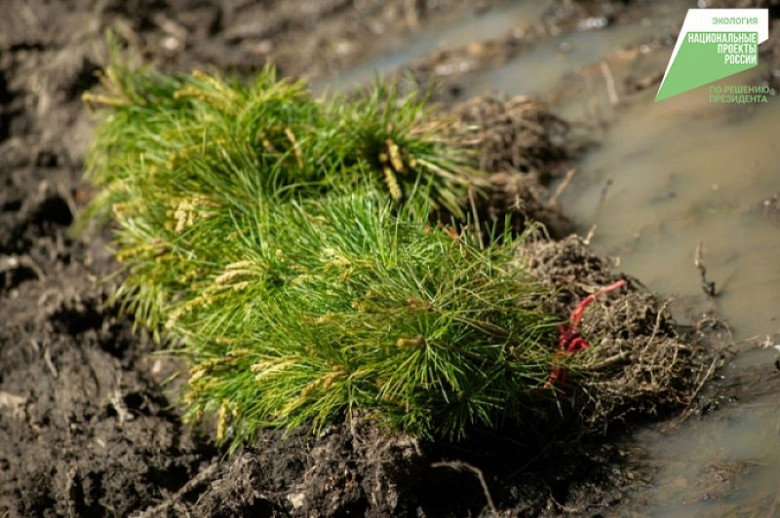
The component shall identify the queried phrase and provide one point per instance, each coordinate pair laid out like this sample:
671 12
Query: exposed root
173 500
637 364
464 466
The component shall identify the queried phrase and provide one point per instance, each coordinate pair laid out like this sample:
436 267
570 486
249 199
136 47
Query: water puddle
726 465
682 172
548 67
465 27
670 176
667 177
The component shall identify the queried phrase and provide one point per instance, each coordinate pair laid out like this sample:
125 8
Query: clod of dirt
637 364
519 134
525 145
361 470
345 471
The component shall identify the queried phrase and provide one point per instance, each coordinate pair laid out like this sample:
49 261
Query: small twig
603 195
119 406
49 363
689 410
658 318
171 501
561 187
464 466
704 378
118 402
707 286
591 233
606 362
611 90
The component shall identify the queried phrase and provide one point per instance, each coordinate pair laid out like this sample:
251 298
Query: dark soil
86 426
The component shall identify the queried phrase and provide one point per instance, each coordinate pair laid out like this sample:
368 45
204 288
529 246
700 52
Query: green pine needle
290 246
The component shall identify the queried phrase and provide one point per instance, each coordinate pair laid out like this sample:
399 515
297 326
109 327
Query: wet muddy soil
86 425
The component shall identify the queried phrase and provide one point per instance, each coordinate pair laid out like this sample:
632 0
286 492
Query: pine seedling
289 247
355 308
175 148
201 134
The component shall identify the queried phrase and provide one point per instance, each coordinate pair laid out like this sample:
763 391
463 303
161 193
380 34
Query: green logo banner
713 44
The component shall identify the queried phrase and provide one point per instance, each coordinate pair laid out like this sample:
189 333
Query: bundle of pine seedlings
299 255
